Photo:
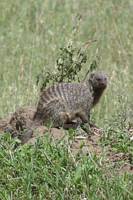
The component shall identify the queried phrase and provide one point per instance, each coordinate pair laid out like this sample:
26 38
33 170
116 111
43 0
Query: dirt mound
19 123
22 118
120 162
4 123
84 143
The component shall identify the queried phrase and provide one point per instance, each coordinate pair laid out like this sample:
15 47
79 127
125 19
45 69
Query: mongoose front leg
83 117
85 125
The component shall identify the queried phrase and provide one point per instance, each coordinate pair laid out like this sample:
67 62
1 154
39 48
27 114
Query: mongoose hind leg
73 119
56 113
74 124
63 119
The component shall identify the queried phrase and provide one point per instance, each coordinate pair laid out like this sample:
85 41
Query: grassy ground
31 33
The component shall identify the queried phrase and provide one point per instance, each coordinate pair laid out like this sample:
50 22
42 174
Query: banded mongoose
64 102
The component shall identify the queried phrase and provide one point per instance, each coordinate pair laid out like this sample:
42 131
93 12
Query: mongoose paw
92 125
86 127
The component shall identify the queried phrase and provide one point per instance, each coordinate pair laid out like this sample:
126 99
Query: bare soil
86 144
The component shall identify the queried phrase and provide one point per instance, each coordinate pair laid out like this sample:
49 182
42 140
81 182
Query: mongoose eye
98 79
105 78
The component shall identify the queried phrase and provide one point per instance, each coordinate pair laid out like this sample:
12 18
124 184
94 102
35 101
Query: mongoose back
64 102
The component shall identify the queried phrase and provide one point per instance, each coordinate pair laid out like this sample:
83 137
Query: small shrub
69 63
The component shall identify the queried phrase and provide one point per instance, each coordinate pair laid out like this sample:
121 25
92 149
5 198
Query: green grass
31 33
48 171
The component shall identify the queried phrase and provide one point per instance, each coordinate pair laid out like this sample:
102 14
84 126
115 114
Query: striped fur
71 99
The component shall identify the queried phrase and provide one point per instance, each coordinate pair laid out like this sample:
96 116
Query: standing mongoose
64 102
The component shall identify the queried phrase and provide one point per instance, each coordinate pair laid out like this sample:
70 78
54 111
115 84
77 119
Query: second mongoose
61 104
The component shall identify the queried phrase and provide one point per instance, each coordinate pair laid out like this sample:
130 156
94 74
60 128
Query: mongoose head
98 80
